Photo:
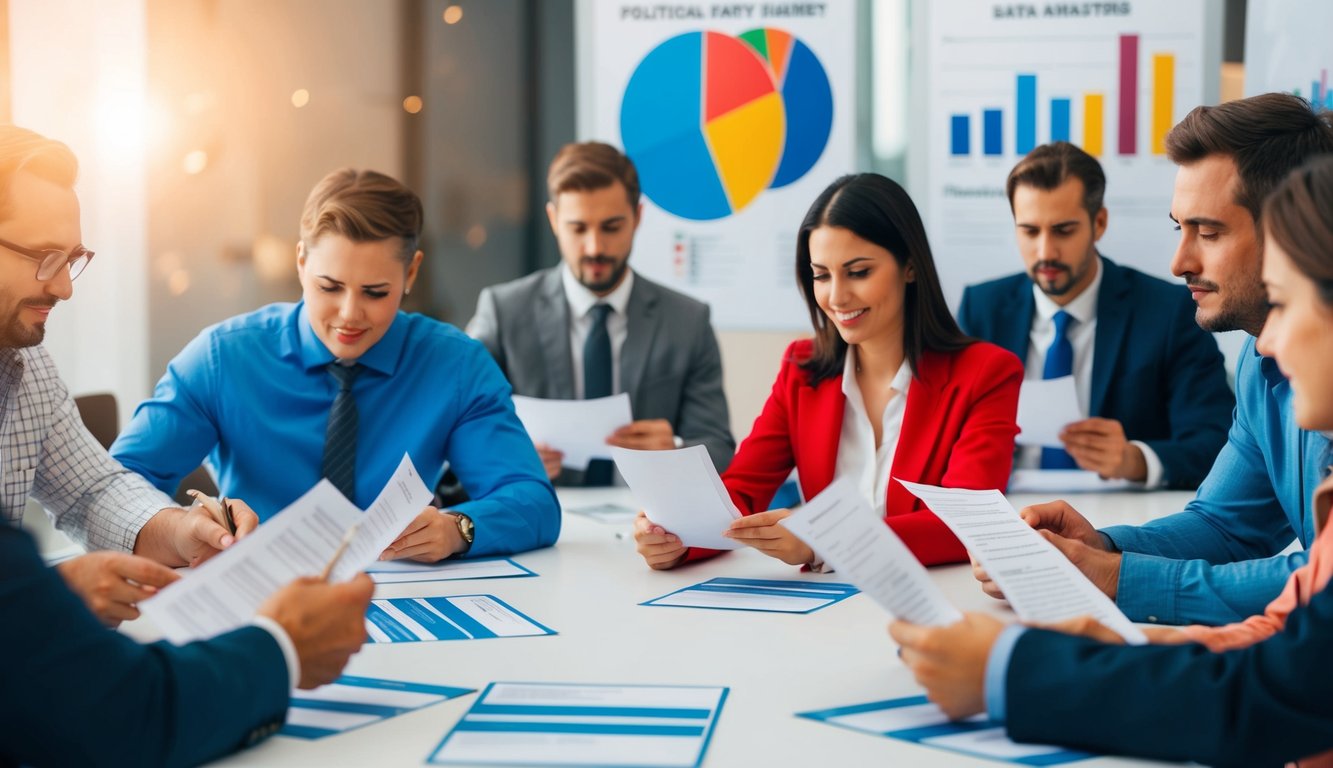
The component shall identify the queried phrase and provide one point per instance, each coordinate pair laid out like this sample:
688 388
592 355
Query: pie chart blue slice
809 102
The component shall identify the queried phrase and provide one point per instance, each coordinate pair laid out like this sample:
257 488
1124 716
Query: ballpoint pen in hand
220 508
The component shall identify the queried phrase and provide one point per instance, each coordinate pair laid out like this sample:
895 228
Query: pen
338 553
214 506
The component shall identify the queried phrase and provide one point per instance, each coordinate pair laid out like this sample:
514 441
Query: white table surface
588 589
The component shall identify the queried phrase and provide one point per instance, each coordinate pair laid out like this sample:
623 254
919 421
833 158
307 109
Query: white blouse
858 458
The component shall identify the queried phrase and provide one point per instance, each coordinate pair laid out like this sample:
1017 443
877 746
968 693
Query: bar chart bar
1094 123
1163 99
1059 119
992 124
960 130
1025 131
1129 92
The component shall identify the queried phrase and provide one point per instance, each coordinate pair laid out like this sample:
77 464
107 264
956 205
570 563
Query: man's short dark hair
592 165
1268 136
1051 165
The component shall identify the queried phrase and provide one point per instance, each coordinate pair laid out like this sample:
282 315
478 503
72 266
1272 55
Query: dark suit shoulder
523 288
1146 289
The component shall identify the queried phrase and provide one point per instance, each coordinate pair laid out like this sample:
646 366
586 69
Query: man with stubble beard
590 327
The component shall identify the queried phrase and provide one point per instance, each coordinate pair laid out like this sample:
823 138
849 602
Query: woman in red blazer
888 388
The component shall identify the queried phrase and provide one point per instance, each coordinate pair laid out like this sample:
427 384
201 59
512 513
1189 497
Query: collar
383 357
581 300
901 380
1083 308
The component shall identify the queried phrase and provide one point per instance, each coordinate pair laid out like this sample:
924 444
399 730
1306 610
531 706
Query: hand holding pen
211 525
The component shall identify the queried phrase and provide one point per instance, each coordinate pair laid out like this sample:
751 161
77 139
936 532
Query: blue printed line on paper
578 711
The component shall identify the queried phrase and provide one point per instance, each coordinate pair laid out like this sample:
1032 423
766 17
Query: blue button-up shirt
253 393
1217 561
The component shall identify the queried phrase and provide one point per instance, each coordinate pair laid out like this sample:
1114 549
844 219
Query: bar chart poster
736 116
1289 48
1004 78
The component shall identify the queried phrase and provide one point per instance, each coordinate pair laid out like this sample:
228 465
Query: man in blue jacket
1152 381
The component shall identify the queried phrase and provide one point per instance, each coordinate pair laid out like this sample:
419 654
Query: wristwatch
466 529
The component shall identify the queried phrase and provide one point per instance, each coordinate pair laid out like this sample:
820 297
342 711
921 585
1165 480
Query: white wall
79 75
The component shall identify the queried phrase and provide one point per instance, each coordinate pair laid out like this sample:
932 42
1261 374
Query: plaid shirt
46 453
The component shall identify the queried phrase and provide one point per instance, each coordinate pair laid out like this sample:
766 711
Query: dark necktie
1059 363
597 382
339 464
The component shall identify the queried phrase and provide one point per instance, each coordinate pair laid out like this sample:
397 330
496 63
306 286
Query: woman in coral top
889 387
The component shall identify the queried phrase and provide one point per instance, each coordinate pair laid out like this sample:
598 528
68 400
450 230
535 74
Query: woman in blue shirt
258 394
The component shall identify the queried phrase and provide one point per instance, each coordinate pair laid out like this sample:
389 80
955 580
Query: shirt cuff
1155 471
285 643
997 666
1149 588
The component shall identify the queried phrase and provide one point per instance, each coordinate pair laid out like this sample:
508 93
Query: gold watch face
466 528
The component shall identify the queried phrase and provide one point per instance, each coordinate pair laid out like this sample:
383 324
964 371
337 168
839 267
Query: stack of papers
457 617
916 720
352 702
758 595
556 724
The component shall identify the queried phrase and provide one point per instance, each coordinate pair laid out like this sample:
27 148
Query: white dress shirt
581 301
858 458
1082 335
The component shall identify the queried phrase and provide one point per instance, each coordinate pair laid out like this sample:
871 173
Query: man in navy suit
1152 381
74 693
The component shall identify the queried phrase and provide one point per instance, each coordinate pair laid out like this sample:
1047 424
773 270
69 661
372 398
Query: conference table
589 589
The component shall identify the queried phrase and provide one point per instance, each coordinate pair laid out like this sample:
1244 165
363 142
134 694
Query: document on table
224 592
455 617
772 595
606 513
1045 406
352 702
681 491
400 571
1037 580
1065 481
917 720
576 428
841 528
542 724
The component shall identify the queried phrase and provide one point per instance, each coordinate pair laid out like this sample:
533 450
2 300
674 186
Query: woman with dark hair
888 388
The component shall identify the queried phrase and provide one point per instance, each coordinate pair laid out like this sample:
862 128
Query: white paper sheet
1045 406
840 527
1036 578
681 491
400 571
1065 481
577 428
224 593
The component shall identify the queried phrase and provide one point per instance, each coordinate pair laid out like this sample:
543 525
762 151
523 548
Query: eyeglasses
49 261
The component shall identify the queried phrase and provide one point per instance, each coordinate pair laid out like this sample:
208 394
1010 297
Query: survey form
664 726
681 491
1045 406
841 528
1036 578
224 592
576 428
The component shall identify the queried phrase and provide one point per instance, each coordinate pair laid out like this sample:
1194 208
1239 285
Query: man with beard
590 327
1151 380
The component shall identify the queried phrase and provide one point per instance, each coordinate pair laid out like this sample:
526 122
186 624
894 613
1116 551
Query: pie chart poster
737 116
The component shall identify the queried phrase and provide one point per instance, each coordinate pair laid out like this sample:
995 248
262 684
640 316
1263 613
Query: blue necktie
339 464
1059 363
597 382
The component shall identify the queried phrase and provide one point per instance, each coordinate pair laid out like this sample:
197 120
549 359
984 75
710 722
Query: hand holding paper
576 428
1044 408
681 491
839 525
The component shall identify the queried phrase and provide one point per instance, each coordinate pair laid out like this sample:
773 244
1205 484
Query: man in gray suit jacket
549 331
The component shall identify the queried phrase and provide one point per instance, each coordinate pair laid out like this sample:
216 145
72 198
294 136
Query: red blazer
958 432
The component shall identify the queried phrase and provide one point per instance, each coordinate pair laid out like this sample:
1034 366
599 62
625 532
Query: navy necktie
1059 363
339 464
597 381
